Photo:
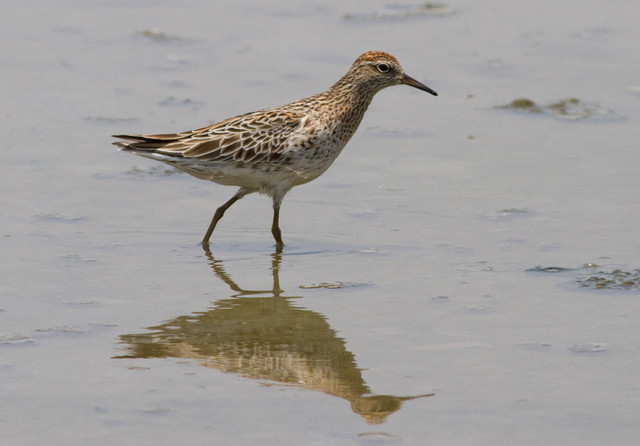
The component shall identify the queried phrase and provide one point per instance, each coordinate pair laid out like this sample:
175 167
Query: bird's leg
220 212
275 228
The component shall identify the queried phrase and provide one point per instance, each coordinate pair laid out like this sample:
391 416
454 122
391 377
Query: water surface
437 281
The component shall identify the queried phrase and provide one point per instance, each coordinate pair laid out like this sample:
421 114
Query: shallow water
433 284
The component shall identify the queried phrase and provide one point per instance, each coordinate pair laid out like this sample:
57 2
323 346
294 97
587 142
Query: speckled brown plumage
270 151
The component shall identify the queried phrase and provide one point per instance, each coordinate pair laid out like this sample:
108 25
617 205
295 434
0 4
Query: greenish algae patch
612 280
523 104
566 109
332 285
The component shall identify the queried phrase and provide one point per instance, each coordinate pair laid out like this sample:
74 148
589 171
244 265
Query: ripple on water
397 12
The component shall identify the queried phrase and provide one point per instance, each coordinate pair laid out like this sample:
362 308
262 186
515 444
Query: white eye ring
383 68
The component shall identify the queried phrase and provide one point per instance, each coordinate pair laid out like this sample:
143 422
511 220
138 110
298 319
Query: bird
270 151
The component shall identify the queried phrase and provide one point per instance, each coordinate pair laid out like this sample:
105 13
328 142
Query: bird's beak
408 80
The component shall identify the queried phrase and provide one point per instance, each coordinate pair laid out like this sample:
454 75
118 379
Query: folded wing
259 137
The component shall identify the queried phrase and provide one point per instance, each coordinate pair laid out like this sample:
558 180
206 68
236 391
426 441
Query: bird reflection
262 334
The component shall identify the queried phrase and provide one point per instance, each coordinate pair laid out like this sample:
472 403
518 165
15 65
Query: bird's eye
383 68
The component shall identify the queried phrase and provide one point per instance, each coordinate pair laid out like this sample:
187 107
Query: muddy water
466 273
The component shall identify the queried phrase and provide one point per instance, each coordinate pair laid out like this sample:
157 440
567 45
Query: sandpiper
270 151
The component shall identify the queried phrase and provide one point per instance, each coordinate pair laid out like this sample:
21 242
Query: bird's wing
256 137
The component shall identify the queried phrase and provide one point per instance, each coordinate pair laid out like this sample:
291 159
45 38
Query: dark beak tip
428 90
408 80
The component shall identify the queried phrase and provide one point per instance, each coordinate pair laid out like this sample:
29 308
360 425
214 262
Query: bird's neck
348 100
348 89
